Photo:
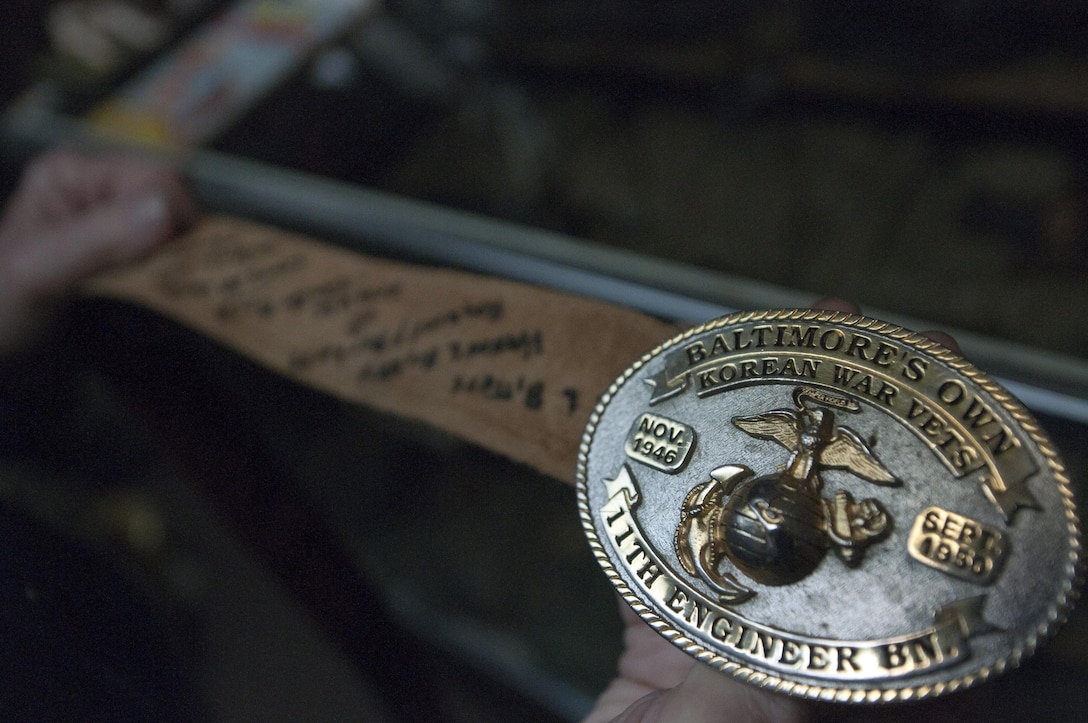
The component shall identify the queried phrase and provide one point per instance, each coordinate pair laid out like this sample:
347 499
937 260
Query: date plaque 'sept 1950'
829 506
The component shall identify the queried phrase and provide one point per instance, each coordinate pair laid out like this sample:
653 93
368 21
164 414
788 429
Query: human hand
656 681
72 216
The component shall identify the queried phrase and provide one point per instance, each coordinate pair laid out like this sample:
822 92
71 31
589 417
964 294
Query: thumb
47 265
708 696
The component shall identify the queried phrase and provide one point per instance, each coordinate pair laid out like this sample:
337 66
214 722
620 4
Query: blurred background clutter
242 555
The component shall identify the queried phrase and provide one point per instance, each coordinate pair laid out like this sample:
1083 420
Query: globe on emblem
774 529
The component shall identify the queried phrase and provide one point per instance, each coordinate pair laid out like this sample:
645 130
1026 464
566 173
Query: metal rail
1047 382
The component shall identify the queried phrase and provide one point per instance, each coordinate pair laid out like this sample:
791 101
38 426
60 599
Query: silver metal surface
829 506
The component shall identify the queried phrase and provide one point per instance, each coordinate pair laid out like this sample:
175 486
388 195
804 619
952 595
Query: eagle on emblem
776 528
815 443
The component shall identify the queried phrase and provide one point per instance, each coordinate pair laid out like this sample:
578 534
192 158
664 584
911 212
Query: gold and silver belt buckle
829 506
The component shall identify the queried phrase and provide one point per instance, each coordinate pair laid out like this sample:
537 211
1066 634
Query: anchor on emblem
776 528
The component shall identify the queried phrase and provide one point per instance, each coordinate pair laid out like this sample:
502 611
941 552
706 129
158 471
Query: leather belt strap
511 367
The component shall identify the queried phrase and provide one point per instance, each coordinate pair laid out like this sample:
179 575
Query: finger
86 181
834 304
708 696
41 194
165 182
649 663
945 340
63 183
831 303
129 180
647 657
659 682
47 265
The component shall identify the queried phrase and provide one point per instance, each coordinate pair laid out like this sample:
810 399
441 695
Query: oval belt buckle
829 506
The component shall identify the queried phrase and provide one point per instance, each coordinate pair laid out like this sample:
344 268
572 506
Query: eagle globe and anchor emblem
777 528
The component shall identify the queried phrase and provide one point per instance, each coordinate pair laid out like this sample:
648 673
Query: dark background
197 539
